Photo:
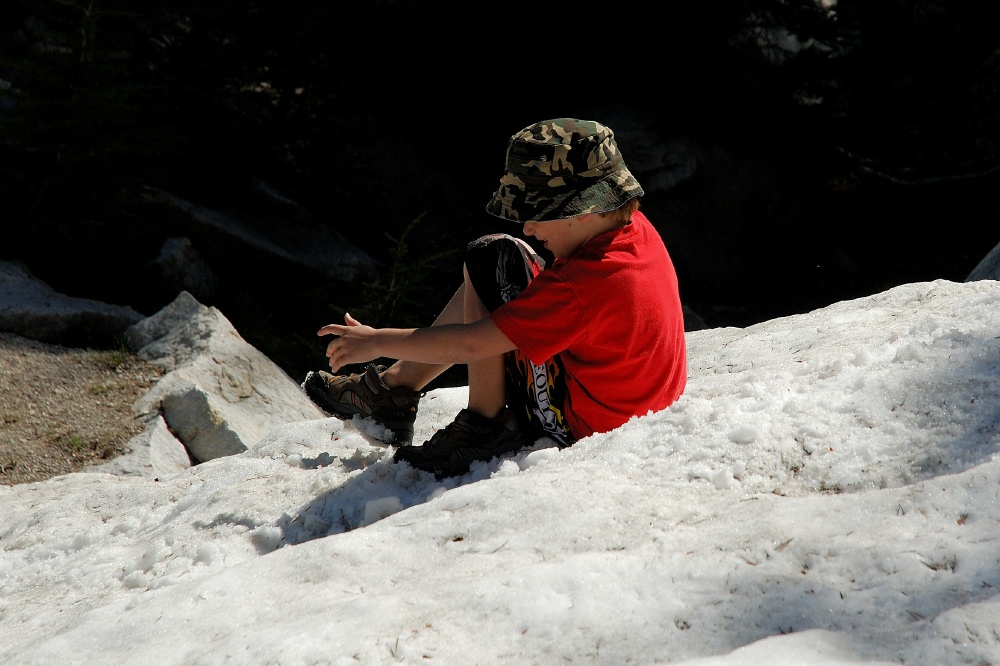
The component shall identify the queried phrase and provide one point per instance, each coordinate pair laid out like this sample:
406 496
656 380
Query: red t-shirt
612 312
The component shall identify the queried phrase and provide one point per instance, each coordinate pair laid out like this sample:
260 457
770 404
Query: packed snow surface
827 492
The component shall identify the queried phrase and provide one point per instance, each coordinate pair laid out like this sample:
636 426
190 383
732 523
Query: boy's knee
499 267
486 247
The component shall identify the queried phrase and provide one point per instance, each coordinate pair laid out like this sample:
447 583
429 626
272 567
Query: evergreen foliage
398 297
377 115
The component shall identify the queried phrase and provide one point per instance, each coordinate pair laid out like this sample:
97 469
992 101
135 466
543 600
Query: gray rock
200 420
154 453
693 321
181 268
220 395
154 332
32 309
659 163
311 246
988 268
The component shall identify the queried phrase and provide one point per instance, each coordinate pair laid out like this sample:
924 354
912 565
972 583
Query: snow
826 492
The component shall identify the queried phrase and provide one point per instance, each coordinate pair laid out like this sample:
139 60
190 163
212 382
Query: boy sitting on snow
563 351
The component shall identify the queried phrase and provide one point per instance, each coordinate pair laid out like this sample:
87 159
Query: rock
296 243
988 268
181 268
201 421
693 321
154 453
153 332
220 395
32 309
659 163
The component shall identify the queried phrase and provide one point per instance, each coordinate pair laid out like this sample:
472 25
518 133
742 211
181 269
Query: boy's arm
446 343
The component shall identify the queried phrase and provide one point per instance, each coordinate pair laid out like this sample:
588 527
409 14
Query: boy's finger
330 329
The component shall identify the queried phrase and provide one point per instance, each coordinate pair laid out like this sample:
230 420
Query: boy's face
564 237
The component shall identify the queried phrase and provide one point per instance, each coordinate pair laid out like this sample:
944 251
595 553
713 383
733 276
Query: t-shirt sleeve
544 319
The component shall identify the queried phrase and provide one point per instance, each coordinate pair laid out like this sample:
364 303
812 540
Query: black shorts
500 267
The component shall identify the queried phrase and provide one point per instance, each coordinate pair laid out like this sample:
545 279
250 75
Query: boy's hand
355 343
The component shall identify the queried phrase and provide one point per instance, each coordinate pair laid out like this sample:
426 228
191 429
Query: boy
577 348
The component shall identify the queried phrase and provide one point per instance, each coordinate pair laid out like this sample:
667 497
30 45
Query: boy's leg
496 269
418 375
500 268
486 377
389 397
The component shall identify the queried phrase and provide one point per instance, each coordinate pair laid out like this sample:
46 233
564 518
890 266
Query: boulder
988 268
660 163
32 309
220 395
181 268
153 453
288 241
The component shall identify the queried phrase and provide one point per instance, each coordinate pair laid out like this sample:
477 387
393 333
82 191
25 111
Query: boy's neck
599 224
607 224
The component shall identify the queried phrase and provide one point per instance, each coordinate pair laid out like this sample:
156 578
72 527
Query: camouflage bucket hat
562 168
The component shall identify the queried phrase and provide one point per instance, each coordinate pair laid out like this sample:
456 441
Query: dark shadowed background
794 154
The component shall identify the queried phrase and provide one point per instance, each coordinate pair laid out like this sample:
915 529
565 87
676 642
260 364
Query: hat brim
512 201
